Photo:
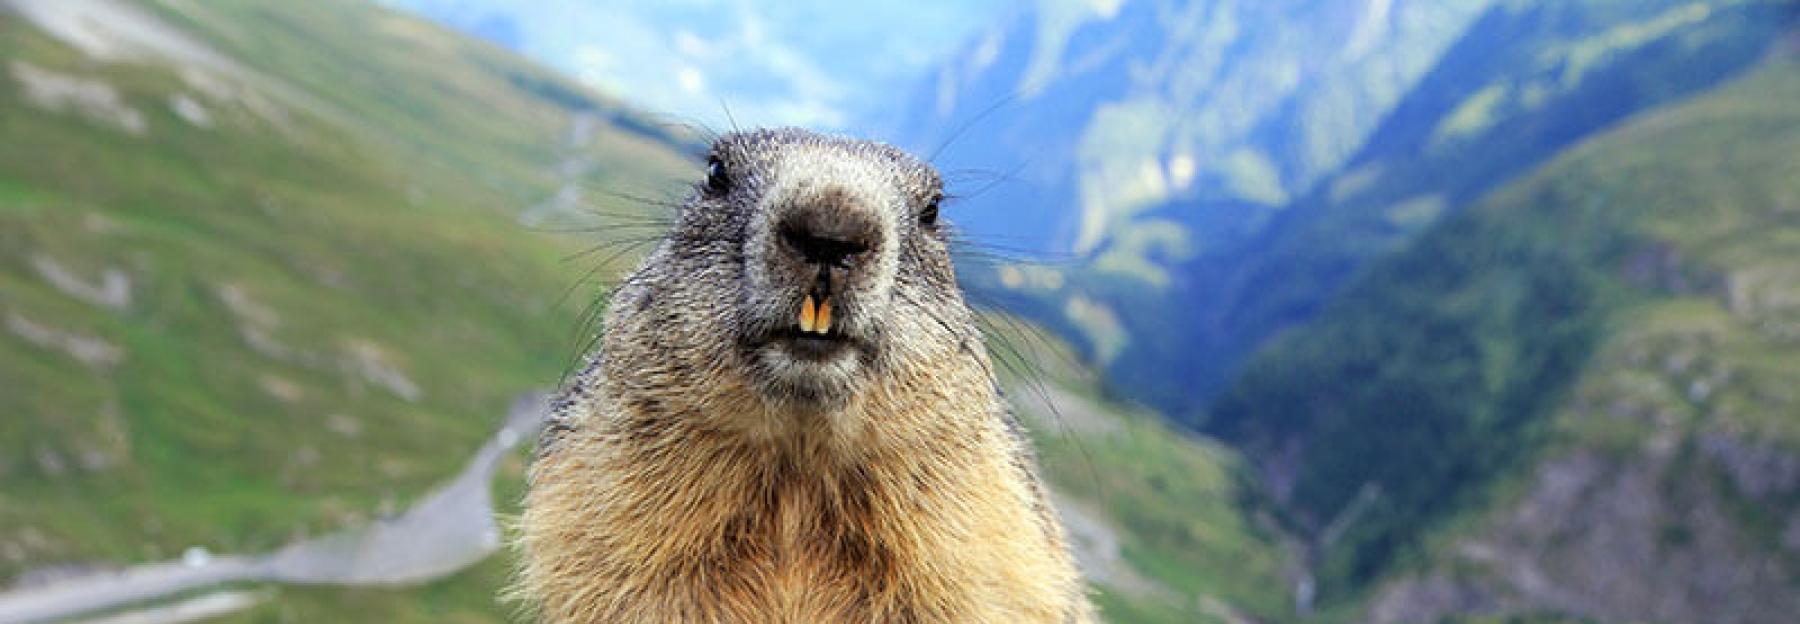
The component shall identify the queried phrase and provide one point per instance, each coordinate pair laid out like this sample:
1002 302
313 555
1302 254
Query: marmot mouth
815 335
812 345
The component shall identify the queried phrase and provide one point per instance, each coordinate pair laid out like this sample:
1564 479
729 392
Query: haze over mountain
813 63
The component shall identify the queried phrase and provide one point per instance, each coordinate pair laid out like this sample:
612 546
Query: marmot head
827 259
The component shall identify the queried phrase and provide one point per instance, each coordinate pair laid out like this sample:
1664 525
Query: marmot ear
718 182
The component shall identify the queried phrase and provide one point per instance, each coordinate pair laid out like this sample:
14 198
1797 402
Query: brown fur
677 483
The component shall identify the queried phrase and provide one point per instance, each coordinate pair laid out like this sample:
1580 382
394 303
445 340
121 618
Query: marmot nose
822 249
827 239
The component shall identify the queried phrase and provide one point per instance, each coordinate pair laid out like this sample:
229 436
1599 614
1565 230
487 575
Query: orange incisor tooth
823 323
806 315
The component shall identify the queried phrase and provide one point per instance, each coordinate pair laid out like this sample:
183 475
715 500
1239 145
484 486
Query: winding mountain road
452 528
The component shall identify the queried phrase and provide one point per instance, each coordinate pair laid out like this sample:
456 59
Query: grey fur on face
787 220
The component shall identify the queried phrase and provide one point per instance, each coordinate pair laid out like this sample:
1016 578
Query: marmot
791 417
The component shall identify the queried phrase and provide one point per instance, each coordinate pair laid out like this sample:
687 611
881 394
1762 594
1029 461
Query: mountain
1102 110
1231 164
1506 344
1574 399
1525 82
263 274
270 270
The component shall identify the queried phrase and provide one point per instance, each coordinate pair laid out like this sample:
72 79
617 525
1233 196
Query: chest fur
642 521
821 547
730 535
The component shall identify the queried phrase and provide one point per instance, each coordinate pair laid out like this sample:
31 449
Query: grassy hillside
1174 517
1575 398
276 286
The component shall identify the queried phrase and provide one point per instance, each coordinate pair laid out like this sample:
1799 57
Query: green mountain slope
1168 525
261 268
1526 81
1574 399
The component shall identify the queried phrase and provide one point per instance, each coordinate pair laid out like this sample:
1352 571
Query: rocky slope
1574 400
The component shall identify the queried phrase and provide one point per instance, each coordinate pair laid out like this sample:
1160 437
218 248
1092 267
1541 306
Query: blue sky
818 63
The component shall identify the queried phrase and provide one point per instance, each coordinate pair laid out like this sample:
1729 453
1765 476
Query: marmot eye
928 217
717 183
